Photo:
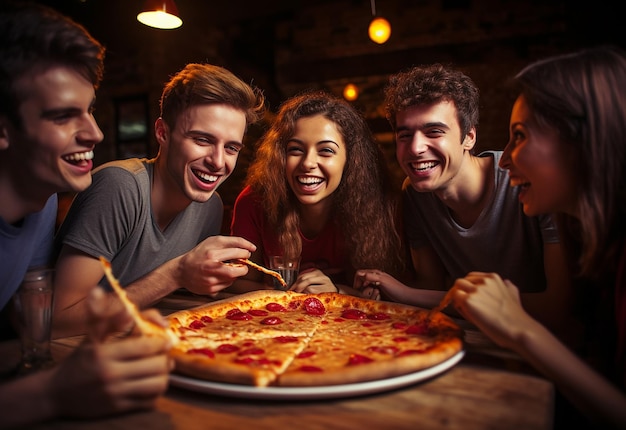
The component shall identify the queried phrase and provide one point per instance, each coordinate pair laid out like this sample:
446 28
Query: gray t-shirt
113 218
503 239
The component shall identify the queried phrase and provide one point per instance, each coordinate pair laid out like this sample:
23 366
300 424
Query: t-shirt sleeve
102 216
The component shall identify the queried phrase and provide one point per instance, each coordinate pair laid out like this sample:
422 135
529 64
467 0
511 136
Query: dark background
287 46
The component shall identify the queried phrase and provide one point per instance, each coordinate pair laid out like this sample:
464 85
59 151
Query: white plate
311 393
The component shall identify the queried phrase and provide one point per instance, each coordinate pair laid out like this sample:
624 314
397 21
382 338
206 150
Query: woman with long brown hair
319 188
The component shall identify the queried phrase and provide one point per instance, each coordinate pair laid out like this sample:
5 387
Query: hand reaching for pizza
494 306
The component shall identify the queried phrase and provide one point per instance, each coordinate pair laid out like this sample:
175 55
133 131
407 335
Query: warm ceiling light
160 14
350 92
379 30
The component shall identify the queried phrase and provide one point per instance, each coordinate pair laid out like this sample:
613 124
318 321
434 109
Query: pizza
144 325
283 338
262 269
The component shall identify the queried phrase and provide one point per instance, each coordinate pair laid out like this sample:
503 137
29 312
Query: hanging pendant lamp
160 14
379 29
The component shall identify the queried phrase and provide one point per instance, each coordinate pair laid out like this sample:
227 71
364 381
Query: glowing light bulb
350 92
379 30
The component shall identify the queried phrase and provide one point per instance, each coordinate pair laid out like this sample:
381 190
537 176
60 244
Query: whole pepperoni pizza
278 338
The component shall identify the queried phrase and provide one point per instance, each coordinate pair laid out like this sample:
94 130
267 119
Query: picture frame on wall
131 125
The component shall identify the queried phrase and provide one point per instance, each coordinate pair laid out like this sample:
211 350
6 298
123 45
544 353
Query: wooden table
488 388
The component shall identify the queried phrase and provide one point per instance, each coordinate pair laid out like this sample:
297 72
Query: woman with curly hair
319 188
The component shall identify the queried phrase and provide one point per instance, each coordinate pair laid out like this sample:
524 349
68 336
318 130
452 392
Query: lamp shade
379 30
160 14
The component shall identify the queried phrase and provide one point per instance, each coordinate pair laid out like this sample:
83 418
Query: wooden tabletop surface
488 388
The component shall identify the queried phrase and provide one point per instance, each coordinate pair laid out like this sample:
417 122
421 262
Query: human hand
104 376
202 270
313 281
493 305
371 282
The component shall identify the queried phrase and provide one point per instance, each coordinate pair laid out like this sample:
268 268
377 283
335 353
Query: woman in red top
567 150
318 188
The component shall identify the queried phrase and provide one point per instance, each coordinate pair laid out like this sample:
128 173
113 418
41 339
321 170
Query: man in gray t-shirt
157 220
460 214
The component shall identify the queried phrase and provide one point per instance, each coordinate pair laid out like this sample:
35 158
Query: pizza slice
144 325
262 269
250 361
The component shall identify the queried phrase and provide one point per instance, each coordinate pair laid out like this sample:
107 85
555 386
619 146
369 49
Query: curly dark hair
431 84
365 201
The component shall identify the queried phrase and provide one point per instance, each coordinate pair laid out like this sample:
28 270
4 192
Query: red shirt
326 251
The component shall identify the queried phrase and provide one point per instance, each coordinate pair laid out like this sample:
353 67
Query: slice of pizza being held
283 338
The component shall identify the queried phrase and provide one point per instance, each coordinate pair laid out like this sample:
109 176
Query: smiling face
202 150
428 145
53 149
538 162
316 156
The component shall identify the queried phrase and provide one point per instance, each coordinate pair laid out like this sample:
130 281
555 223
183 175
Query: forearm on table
26 400
423 298
590 392
153 286
71 320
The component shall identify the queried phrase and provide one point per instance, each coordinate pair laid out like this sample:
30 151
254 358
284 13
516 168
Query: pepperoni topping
237 315
196 324
258 312
275 307
306 354
206 319
202 351
286 339
226 348
313 306
251 351
400 339
311 369
358 359
354 314
379 316
293 305
417 329
399 325
271 321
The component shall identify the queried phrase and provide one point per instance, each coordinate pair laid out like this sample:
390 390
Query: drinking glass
288 269
33 307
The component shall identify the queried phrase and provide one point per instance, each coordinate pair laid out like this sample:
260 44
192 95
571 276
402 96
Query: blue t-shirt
24 246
